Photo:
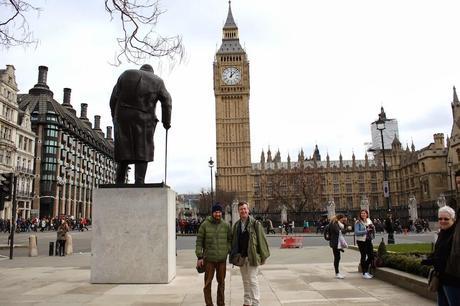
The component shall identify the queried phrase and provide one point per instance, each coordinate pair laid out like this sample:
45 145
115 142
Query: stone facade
17 144
307 185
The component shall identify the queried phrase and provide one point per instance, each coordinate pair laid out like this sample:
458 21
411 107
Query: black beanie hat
216 207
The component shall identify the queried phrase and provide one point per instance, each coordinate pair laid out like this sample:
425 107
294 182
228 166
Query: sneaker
339 276
367 276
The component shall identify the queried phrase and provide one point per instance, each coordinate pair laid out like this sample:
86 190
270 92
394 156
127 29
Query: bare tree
138 20
310 188
139 41
283 189
299 189
204 202
225 197
14 28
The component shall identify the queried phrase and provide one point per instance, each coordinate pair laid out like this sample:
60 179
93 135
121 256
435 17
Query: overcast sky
320 71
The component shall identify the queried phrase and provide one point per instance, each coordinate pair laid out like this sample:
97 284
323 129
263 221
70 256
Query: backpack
327 232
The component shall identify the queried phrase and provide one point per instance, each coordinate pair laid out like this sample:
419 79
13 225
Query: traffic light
6 187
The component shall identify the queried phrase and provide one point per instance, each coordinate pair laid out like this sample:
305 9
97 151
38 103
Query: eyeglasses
443 219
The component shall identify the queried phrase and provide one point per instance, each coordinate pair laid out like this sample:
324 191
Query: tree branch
14 29
138 17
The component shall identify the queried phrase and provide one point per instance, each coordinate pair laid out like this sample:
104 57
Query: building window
337 201
349 188
349 202
335 178
336 188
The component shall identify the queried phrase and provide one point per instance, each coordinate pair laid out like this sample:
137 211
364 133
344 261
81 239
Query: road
82 241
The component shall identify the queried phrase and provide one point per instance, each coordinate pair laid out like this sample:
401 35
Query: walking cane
166 156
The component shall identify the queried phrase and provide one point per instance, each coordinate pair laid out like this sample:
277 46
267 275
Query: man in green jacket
250 243
213 243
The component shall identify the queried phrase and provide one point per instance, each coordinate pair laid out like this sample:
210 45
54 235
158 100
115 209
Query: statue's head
146 67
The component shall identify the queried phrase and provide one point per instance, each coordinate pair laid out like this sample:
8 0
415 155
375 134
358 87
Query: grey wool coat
132 104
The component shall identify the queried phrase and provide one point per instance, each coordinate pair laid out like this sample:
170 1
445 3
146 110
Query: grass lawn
409 248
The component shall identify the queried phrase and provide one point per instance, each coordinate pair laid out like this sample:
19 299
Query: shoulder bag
433 280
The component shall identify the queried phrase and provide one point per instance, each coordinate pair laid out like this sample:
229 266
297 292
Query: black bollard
51 249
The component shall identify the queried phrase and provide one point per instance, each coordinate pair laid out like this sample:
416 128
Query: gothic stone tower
231 90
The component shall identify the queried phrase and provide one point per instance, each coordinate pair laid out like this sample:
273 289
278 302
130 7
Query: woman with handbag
337 240
447 285
365 232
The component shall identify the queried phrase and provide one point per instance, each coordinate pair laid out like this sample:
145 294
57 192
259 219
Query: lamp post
211 165
386 186
449 165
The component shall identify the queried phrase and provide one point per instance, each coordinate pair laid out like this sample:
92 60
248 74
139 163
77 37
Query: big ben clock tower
231 89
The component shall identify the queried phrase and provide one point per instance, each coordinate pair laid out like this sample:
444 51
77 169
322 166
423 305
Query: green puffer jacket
213 241
258 250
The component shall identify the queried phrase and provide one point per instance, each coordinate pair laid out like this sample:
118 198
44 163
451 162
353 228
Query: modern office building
72 156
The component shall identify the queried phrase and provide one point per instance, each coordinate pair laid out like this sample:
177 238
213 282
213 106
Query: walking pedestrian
389 227
365 232
446 258
250 244
213 243
337 240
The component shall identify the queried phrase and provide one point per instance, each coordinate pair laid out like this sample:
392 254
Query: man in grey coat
132 104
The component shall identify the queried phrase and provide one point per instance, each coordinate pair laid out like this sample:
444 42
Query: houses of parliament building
307 183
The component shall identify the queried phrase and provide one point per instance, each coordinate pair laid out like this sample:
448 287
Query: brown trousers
220 268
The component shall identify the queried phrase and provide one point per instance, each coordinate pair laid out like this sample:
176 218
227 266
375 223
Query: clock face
231 76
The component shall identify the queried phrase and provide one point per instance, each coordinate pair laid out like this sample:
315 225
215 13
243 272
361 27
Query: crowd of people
188 225
44 224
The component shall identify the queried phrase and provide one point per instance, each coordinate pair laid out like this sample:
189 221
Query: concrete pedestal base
133 235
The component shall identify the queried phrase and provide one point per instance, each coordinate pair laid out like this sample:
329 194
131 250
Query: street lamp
211 164
449 164
386 187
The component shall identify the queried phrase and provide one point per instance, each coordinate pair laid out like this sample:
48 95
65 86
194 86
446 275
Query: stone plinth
133 235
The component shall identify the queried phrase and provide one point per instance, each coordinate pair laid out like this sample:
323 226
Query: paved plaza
291 277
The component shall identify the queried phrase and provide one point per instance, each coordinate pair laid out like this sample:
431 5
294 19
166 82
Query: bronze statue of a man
132 104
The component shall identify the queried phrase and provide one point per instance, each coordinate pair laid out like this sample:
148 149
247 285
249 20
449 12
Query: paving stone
335 284
299 296
98 289
344 293
52 289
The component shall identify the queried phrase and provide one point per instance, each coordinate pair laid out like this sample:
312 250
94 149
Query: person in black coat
132 104
441 260
389 227
336 230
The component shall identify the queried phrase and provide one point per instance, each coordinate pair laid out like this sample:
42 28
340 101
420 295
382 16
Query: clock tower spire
231 91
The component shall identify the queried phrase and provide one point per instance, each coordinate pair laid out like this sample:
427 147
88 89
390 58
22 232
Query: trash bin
51 249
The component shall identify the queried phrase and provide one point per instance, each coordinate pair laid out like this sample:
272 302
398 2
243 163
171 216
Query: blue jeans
448 296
